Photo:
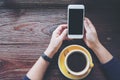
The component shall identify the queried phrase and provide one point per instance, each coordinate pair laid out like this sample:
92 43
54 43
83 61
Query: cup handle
91 65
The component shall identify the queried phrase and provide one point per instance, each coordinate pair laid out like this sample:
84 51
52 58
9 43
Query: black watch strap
46 58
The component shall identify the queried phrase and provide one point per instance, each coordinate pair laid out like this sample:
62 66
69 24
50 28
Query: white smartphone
75 21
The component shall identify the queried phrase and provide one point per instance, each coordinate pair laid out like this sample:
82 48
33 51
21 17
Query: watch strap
46 58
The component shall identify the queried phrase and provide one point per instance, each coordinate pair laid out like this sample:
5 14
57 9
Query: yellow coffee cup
65 58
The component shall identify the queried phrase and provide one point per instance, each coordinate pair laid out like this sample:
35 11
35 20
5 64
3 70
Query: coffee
76 61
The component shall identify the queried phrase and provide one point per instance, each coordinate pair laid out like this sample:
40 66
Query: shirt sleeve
112 69
26 78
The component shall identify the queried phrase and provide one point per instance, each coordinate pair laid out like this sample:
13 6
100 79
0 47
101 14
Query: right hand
57 38
90 36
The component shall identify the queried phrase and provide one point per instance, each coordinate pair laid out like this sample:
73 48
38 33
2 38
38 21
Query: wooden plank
36 25
15 60
35 3
31 27
58 3
42 1
24 38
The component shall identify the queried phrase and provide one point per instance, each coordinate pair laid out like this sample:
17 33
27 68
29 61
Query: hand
57 38
90 37
91 40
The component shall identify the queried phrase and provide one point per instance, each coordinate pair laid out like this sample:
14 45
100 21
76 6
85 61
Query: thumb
87 29
63 34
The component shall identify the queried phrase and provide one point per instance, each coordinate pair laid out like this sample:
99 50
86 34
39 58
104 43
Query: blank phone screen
76 21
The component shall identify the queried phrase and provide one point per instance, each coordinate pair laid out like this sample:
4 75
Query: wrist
102 53
49 52
46 58
96 46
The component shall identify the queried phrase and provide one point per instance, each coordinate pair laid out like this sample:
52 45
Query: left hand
56 41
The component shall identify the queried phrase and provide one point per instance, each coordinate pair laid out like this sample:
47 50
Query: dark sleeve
112 69
26 78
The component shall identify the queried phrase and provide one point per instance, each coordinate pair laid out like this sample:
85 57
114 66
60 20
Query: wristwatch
46 58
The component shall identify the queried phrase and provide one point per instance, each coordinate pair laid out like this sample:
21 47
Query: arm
39 68
91 39
110 65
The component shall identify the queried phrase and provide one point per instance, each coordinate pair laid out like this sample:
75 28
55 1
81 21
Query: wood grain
24 38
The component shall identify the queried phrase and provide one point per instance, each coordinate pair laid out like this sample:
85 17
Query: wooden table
24 37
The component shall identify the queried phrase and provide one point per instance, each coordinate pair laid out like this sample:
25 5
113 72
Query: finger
90 24
60 27
64 34
66 38
86 26
88 21
85 39
84 34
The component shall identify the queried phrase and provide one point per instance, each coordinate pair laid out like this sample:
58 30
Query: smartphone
75 21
